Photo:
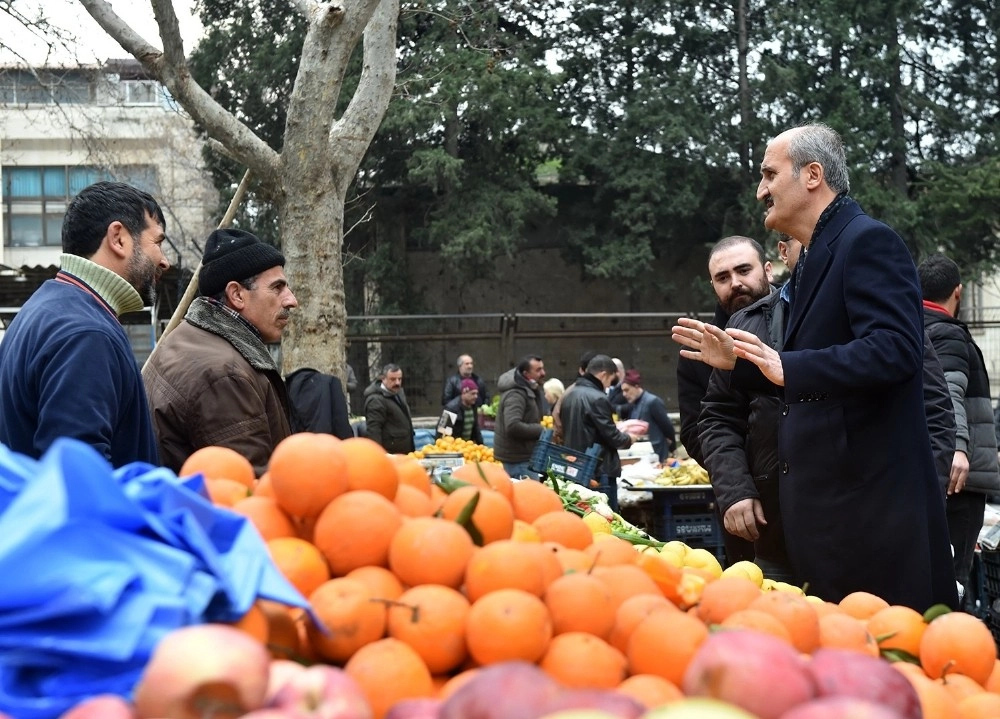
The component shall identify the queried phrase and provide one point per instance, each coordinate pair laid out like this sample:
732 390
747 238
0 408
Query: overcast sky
89 42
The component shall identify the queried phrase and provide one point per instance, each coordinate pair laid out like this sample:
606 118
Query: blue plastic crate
566 464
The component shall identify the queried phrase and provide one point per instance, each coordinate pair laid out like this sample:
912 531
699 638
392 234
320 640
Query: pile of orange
413 605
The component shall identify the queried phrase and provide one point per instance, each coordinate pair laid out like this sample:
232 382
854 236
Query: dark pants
965 519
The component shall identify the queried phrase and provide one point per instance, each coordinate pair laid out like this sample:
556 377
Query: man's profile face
147 262
469 397
465 366
630 391
269 304
738 277
393 380
782 187
535 371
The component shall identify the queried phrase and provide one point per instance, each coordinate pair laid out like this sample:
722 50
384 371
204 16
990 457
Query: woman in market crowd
554 389
646 406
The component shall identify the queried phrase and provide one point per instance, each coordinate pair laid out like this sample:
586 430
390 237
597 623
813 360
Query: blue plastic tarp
97 565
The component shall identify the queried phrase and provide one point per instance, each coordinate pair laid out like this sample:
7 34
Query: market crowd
844 416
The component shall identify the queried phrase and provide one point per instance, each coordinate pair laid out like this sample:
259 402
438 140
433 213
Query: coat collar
817 262
204 315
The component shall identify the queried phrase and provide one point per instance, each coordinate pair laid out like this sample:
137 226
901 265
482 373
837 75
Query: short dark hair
602 363
585 359
391 367
939 276
96 206
525 364
726 242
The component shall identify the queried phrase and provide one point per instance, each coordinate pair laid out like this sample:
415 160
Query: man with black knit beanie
212 381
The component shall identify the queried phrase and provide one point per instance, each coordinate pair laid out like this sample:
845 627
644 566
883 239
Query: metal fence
427 347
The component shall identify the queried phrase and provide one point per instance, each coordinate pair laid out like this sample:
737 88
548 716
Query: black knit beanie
234 255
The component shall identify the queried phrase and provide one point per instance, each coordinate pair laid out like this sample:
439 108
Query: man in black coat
453 385
860 498
318 403
740 275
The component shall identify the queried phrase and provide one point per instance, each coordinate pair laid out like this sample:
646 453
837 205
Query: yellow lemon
676 546
745 568
525 532
596 523
701 558
786 587
768 585
814 599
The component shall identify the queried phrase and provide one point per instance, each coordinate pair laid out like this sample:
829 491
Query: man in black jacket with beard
740 275
974 471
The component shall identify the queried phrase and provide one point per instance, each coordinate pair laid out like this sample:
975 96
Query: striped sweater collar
111 287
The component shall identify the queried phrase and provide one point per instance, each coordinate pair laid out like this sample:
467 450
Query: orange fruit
493 516
369 467
411 502
225 492
898 627
308 471
410 472
670 580
580 603
219 463
508 624
525 532
355 530
650 690
382 583
862 605
486 474
389 671
571 560
724 596
993 683
532 499
632 611
352 619
283 635
608 550
505 565
581 660
431 619
265 514
796 613
842 631
302 563
566 528
958 642
254 623
985 705
430 550
664 643
624 581
262 487
935 701
757 620
960 686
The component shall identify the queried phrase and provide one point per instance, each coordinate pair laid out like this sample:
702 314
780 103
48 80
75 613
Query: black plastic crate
566 464
991 574
693 528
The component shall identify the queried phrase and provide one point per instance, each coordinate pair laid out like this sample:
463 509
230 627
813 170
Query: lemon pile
469 450
548 422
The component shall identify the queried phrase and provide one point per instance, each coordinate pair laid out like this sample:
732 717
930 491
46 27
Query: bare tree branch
356 129
173 72
170 32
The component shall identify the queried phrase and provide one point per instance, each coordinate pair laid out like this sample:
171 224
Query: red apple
841 708
839 672
281 671
103 706
200 670
322 692
415 709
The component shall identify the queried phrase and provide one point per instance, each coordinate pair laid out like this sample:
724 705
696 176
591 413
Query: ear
814 175
957 294
118 240
768 271
236 295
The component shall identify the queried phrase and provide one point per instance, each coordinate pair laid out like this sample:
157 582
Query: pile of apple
214 671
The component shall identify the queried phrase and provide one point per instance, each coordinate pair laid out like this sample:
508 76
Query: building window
35 198
140 92
45 87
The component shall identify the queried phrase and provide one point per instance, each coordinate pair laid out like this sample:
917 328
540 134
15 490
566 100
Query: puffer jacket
519 418
738 433
586 418
212 382
387 421
965 370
